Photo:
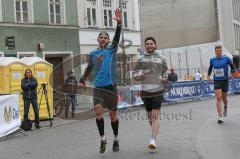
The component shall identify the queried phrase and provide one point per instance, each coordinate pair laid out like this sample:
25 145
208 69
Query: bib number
219 72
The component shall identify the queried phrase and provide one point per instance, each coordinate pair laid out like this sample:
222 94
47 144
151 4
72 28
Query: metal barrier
176 92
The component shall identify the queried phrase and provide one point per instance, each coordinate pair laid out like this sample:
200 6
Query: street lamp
187 63
179 65
123 46
171 59
201 64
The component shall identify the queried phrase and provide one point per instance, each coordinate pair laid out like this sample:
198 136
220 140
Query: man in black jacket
29 86
172 77
70 85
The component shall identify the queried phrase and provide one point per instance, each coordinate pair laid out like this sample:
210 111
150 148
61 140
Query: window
91 13
237 36
125 14
236 9
107 13
56 10
23 11
91 2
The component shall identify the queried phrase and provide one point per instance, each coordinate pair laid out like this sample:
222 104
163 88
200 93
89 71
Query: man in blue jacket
29 86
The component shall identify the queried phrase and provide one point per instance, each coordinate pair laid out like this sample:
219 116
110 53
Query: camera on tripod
43 85
44 92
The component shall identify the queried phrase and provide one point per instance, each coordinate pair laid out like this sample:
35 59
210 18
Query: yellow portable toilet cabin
185 77
42 71
191 77
11 75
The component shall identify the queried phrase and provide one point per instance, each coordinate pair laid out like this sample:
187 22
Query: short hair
103 33
218 47
150 38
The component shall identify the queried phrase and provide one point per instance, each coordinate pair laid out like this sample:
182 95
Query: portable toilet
203 77
11 75
42 71
185 77
191 77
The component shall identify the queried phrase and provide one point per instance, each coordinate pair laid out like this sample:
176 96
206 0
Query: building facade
178 23
55 30
62 27
43 28
97 15
229 26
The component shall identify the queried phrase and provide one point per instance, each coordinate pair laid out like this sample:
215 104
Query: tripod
44 92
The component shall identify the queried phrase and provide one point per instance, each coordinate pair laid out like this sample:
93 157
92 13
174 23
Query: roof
5 61
32 60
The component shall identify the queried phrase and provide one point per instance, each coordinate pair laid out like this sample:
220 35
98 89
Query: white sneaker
152 145
220 119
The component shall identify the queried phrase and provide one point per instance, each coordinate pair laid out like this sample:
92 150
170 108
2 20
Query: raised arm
118 18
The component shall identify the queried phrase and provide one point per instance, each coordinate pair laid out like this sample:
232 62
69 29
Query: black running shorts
107 96
152 100
223 85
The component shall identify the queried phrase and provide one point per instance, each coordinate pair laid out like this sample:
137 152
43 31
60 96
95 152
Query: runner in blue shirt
102 63
220 65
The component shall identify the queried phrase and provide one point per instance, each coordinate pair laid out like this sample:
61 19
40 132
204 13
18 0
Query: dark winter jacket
70 85
172 77
29 87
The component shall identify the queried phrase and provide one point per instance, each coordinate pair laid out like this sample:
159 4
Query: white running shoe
152 145
220 119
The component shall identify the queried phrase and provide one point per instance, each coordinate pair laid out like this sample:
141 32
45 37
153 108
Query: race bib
219 72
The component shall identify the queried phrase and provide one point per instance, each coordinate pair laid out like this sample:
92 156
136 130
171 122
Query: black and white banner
9 114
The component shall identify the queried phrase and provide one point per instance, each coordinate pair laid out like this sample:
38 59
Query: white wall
177 23
86 49
136 15
226 29
89 37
